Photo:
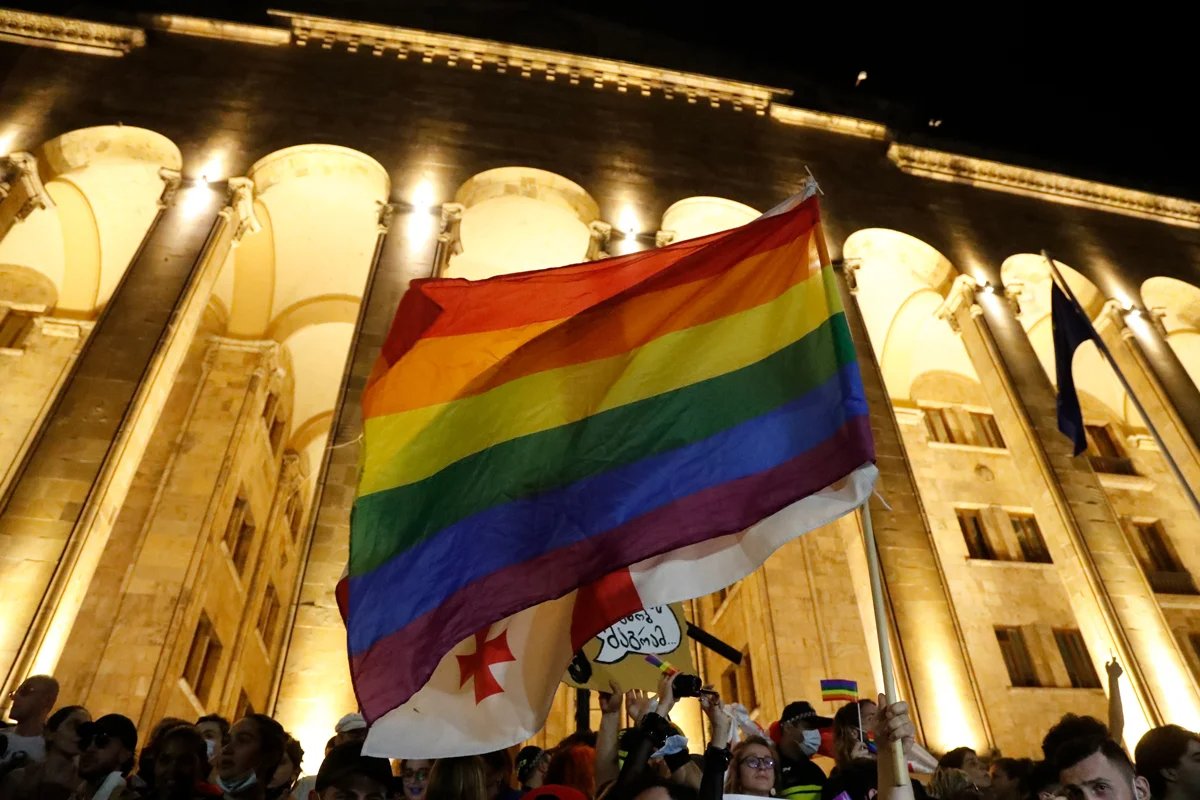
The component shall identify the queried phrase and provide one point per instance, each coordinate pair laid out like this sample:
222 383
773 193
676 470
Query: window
729 683
274 421
1029 538
239 533
986 431
15 326
937 424
1104 453
1016 657
1159 561
975 534
204 655
244 707
268 616
1075 656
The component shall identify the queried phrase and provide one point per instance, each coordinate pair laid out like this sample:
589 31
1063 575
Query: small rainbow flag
839 690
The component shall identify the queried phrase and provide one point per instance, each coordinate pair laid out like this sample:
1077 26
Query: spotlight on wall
988 288
627 221
7 139
212 170
423 198
862 76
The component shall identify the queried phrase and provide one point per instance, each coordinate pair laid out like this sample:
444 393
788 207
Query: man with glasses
31 704
107 755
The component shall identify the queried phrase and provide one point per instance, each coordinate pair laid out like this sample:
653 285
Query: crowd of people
63 753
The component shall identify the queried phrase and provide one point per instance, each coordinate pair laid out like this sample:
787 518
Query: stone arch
1177 304
520 218
693 217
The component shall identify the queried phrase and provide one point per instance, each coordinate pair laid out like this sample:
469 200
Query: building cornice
65 33
552 65
1052 186
218 29
821 120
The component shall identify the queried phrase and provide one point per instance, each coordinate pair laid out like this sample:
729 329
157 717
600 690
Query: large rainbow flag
548 452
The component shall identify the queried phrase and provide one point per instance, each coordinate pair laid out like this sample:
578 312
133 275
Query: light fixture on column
627 222
423 198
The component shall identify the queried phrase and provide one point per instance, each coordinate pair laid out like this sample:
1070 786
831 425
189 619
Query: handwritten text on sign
653 630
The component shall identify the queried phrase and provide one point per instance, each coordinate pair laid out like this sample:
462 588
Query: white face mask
811 742
211 747
238 784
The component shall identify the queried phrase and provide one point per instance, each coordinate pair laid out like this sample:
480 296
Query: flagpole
885 644
1103 348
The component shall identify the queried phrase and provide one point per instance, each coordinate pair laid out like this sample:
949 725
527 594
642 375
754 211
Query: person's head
1096 768
499 767
288 771
62 730
414 775
1169 759
346 774
350 728
1009 775
108 746
145 759
849 739
180 761
800 728
33 699
531 767
967 760
251 754
463 778
1071 726
215 730
573 766
948 782
753 768
1042 782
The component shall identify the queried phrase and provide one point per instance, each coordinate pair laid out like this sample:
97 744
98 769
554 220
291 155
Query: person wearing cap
346 774
350 728
531 767
799 739
107 757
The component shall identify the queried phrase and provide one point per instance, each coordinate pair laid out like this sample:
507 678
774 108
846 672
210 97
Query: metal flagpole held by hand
885 645
1112 362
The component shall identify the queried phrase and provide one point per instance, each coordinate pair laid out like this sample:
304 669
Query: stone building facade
206 228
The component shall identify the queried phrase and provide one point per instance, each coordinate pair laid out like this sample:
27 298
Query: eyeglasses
759 762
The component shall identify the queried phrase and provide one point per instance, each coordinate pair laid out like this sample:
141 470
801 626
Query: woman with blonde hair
463 778
753 769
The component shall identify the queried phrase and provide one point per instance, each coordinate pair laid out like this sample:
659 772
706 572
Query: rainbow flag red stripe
839 690
532 433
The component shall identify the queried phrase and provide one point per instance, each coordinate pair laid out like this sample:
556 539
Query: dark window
1075 656
987 432
15 326
747 694
244 707
1105 454
274 421
937 424
1029 537
291 515
729 682
204 655
1162 566
239 533
975 534
268 616
1016 657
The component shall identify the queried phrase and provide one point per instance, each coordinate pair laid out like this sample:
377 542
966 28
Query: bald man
32 703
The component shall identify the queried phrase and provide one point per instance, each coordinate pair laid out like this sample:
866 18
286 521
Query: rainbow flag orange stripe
531 433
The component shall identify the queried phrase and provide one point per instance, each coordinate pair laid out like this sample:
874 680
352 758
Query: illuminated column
21 190
62 507
1124 331
926 635
1113 604
699 216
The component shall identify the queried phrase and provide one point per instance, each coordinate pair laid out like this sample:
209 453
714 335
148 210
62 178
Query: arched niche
693 217
519 218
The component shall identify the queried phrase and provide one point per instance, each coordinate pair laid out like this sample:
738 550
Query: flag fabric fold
1071 328
548 452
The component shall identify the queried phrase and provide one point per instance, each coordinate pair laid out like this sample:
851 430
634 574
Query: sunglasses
759 762
97 740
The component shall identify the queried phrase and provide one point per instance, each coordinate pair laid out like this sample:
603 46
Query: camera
687 685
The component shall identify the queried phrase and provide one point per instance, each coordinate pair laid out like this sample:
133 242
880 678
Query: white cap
350 722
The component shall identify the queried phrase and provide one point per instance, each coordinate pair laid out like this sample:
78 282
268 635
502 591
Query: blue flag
1071 329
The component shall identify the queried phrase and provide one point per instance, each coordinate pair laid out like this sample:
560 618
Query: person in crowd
215 730
307 784
414 777
350 728
800 738
1071 726
552 792
573 766
56 776
463 778
143 781
1009 776
499 767
753 769
23 743
1169 759
250 757
347 774
180 768
531 767
108 745
1116 710
1042 782
854 770
967 760
288 772
1096 768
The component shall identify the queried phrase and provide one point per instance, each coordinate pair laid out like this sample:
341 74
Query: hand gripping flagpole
1112 362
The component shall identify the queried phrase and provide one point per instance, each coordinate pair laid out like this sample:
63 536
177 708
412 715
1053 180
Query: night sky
1090 93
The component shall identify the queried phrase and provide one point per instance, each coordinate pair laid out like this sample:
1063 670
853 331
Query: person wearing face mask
215 730
250 757
800 738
